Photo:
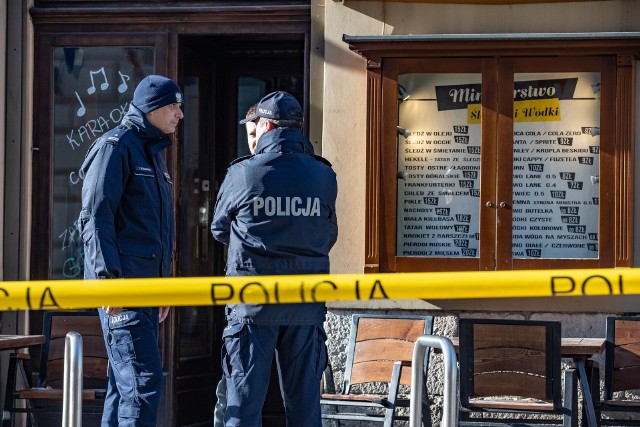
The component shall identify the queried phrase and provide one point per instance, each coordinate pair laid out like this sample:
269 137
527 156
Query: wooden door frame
622 48
85 21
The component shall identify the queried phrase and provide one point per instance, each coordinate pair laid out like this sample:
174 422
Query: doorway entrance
222 76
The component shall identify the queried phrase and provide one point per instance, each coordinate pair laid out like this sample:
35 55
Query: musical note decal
103 86
123 86
82 110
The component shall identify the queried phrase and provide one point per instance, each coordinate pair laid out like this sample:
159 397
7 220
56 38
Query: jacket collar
150 134
284 140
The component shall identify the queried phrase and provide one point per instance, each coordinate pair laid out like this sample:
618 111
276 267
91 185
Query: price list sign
556 147
438 165
555 176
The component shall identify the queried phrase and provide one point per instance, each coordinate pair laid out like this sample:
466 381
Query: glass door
222 78
561 187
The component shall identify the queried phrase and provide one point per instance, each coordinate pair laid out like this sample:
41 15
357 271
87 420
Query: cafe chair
621 373
510 374
379 354
43 401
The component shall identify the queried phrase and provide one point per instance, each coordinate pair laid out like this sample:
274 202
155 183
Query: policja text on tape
194 291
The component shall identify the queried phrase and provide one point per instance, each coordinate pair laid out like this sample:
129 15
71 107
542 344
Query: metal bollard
450 394
72 386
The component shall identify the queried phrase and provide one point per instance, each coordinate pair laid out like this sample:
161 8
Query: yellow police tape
191 291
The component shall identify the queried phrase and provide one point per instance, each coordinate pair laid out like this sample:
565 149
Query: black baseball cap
277 106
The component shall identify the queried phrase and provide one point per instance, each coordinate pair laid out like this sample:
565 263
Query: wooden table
571 347
12 342
581 347
578 349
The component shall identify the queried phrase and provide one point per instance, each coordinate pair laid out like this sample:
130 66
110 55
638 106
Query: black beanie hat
155 92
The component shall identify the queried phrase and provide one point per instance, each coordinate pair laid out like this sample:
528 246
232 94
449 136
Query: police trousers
301 357
220 407
135 369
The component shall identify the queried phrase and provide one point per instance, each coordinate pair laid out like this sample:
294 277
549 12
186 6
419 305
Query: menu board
92 90
555 177
556 148
439 165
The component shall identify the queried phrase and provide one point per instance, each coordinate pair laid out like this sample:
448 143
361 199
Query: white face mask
166 118
252 139
261 128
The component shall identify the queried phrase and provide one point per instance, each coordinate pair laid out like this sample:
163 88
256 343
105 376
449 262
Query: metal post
72 388
450 394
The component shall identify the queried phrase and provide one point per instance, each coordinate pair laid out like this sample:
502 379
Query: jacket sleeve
333 218
224 212
104 182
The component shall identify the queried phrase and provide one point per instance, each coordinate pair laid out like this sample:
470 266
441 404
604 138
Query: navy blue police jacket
276 212
127 219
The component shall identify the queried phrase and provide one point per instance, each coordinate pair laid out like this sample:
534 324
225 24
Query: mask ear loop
304 146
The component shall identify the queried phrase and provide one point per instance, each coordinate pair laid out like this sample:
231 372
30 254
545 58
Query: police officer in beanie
127 228
276 212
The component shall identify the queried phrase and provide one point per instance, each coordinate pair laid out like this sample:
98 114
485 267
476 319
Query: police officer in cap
276 212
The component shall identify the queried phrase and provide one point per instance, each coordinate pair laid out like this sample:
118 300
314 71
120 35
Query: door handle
202 229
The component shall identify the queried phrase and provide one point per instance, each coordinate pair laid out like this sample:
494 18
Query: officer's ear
269 125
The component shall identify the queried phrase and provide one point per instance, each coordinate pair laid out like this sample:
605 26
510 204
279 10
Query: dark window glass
92 90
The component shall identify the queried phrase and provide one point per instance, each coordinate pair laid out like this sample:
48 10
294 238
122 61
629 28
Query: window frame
43 146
